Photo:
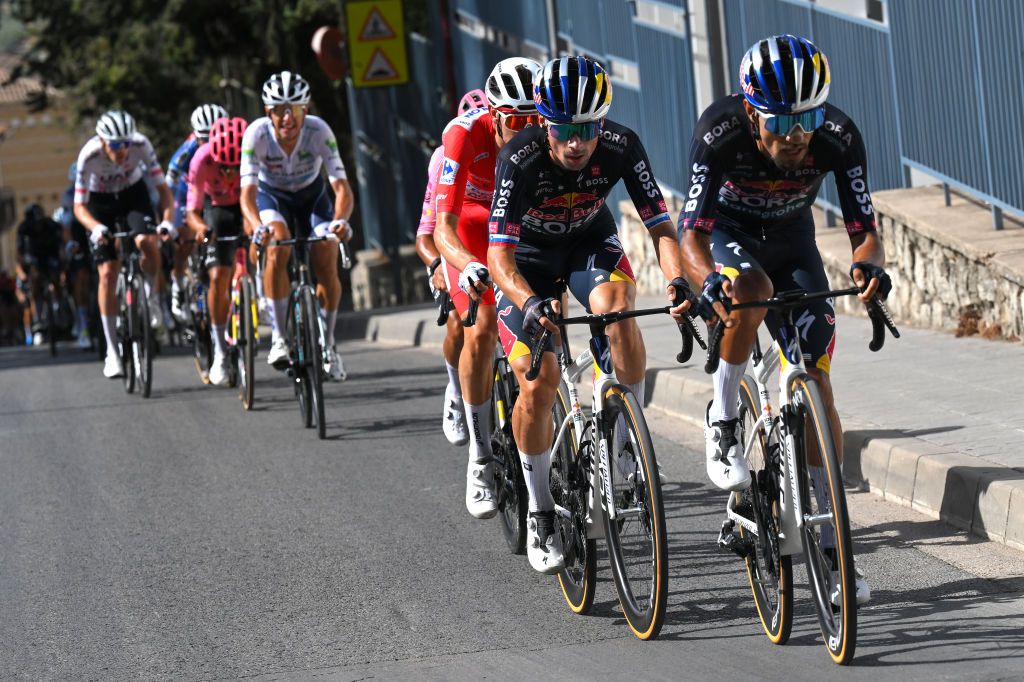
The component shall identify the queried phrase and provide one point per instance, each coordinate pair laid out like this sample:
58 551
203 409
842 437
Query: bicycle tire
570 486
245 342
838 623
645 607
202 342
769 573
300 380
125 331
142 340
315 364
509 485
51 319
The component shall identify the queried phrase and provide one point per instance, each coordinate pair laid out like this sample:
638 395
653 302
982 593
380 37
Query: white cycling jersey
264 161
97 173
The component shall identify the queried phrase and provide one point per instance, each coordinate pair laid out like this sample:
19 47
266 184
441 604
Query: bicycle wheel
637 539
315 363
202 342
142 337
570 485
299 353
50 309
125 331
245 342
769 572
829 568
508 473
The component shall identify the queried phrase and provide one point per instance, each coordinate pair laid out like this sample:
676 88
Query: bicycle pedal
730 540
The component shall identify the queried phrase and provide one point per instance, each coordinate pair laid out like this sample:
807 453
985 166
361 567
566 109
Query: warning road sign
377 46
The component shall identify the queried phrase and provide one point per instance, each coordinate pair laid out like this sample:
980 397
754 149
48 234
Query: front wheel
769 572
315 366
637 539
245 342
570 485
142 338
509 486
127 323
828 545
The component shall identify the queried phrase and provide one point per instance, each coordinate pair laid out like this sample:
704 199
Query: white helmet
285 88
204 116
510 86
115 125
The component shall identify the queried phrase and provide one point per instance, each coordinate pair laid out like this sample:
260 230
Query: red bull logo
569 200
774 185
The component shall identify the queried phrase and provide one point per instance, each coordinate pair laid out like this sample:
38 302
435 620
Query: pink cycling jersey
206 179
428 217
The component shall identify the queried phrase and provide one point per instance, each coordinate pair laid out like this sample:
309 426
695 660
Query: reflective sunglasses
117 145
517 122
783 124
566 131
279 110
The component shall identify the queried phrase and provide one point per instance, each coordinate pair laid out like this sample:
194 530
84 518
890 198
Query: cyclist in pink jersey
213 173
454 419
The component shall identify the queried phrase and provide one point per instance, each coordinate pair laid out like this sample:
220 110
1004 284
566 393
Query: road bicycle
135 335
196 328
242 334
305 329
604 479
509 485
781 513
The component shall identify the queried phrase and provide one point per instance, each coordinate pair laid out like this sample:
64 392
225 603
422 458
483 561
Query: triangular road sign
376 27
380 68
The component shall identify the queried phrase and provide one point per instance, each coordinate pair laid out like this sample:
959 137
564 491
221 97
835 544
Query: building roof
18 91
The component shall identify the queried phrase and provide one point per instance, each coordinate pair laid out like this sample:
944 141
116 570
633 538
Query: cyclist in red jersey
465 186
453 422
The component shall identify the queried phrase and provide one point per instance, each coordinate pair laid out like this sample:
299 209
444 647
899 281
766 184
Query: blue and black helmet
572 90
784 74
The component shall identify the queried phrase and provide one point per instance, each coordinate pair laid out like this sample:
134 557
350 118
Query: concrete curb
960 489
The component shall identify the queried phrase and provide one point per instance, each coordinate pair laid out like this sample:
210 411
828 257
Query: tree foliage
158 60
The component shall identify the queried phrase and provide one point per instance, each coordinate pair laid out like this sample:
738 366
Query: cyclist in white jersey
113 171
282 190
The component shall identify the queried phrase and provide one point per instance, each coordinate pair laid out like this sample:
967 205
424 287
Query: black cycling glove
710 294
872 271
680 291
533 310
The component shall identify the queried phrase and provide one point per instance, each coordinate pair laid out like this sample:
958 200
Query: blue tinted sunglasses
117 145
783 124
565 131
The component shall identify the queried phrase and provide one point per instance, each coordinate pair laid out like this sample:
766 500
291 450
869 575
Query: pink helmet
474 99
226 140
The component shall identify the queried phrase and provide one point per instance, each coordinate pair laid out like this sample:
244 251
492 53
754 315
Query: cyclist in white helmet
283 156
465 187
111 192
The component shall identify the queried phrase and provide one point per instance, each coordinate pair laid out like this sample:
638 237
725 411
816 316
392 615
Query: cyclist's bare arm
83 216
446 238
867 248
427 251
196 223
247 200
501 261
343 200
666 248
166 201
698 263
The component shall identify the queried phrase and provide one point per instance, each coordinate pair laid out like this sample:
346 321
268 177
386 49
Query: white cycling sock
820 480
148 285
536 469
259 288
478 419
330 320
110 332
727 391
638 390
278 321
453 379
220 346
83 319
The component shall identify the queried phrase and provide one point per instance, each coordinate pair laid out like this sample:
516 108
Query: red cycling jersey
467 169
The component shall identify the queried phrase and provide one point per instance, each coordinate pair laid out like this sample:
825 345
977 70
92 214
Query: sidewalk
931 422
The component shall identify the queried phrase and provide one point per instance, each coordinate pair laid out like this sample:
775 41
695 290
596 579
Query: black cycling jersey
40 238
732 179
542 204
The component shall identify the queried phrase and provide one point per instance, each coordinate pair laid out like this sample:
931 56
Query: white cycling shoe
156 313
480 490
278 355
544 543
726 465
112 366
219 374
334 366
454 421
859 581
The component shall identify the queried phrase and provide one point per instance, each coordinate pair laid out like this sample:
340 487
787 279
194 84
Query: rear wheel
770 574
509 485
570 484
126 331
50 305
637 539
245 342
828 546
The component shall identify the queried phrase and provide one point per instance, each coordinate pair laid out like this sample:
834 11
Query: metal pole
552 19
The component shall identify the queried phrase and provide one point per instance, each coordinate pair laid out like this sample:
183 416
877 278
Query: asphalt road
181 538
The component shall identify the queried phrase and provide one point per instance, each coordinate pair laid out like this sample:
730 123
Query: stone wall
951 270
373 279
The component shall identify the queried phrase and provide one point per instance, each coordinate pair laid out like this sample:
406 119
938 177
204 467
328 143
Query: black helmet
33 212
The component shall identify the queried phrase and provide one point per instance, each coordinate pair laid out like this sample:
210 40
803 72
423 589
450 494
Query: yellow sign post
376 39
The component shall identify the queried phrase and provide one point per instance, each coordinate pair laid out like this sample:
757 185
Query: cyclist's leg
601 279
106 257
275 212
220 261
